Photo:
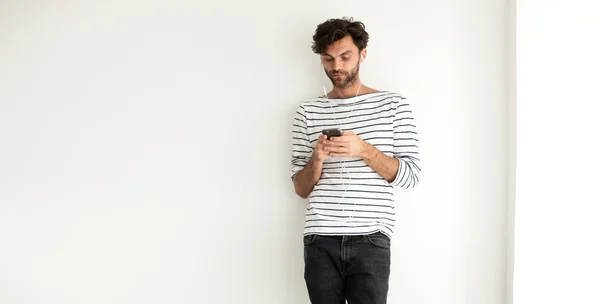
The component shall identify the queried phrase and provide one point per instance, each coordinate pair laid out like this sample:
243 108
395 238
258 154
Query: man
349 180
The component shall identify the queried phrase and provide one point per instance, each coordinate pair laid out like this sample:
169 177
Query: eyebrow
342 54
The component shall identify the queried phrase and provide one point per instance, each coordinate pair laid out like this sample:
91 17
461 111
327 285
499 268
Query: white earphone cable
344 170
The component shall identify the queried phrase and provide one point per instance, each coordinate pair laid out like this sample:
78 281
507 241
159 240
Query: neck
350 91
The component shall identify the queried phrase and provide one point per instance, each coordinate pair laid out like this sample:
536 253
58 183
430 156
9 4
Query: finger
339 155
331 149
342 138
330 143
320 147
325 143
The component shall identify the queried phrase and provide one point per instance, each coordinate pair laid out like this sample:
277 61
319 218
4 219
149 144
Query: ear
363 55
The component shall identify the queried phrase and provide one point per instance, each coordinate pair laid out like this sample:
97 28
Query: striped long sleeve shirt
351 198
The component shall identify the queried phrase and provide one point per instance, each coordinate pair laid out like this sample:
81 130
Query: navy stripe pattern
351 198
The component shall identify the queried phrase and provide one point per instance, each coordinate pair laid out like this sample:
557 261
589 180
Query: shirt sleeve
406 145
301 147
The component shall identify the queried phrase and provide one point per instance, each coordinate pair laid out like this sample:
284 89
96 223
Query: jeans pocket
309 239
379 239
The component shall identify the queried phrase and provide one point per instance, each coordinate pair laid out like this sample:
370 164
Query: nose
337 64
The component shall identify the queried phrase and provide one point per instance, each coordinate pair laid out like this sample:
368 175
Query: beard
342 79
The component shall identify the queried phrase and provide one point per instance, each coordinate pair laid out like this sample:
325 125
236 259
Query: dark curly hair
333 30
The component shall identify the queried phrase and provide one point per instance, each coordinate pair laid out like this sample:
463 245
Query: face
341 61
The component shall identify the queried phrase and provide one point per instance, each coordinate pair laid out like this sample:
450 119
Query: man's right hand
308 177
319 153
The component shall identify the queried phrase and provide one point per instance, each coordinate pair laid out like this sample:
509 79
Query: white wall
146 147
557 203
512 148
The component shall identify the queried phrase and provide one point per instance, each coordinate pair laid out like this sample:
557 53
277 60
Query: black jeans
354 268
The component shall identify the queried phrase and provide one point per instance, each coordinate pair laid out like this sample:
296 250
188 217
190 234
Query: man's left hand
347 145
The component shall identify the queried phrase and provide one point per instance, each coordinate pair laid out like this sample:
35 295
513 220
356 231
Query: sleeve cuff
402 168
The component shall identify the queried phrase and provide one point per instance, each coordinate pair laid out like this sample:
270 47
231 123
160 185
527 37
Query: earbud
362 59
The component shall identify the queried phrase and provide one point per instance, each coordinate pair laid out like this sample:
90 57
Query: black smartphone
332 132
